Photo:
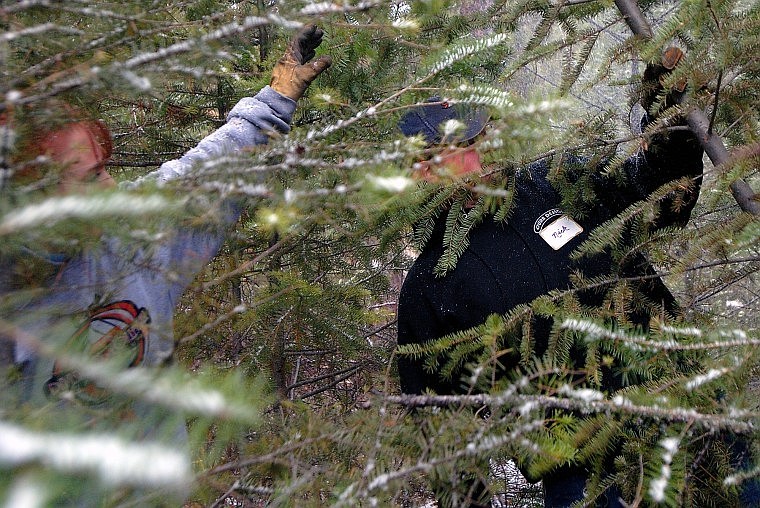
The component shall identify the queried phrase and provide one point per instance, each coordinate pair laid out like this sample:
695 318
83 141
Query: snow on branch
462 51
58 209
116 461
323 8
586 402
658 485
728 339
38 30
188 45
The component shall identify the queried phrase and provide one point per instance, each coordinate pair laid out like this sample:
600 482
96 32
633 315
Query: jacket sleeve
668 157
249 123
186 250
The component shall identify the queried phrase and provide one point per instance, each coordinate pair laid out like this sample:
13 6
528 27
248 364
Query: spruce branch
58 209
738 478
171 390
739 338
103 45
479 445
23 5
126 68
114 459
449 58
616 405
190 44
39 30
698 122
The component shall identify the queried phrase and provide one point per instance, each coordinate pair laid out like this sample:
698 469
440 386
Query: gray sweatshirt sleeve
249 123
186 250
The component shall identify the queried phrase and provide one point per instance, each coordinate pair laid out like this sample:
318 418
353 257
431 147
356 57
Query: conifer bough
695 118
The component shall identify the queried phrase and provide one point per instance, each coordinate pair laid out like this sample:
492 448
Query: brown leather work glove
292 75
654 78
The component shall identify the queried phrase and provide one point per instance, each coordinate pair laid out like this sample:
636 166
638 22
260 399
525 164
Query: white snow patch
116 461
390 183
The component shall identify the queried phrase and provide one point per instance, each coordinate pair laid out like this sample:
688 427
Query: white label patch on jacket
560 231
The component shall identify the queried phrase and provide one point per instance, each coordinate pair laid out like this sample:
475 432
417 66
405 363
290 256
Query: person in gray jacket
124 298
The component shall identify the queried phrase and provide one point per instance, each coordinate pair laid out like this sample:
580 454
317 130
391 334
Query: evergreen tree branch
324 8
596 331
125 68
191 44
615 280
479 444
698 122
617 404
114 459
452 56
39 30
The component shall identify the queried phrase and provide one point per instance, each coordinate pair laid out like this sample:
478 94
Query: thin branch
238 309
351 369
380 328
286 450
330 385
715 104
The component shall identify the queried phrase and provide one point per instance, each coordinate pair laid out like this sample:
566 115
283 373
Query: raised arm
251 122
670 155
254 119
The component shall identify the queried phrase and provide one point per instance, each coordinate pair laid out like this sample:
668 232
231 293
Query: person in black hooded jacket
512 262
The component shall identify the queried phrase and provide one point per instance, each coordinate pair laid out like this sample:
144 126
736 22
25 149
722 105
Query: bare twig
715 104
304 382
335 382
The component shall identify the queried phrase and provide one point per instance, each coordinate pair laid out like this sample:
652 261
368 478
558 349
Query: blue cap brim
427 120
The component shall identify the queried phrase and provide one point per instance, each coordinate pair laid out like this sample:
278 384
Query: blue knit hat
428 119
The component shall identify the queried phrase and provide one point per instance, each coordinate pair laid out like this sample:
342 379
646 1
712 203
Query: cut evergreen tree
285 373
